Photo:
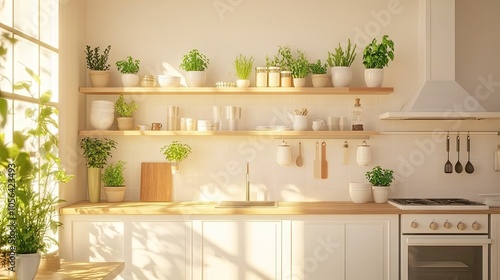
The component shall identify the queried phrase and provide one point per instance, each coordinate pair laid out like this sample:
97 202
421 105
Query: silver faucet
247 185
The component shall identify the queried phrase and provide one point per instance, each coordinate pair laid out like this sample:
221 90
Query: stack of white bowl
169 81
102 114
360 192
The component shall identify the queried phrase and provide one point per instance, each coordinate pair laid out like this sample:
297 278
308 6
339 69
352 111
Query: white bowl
169 81
360 192
101 123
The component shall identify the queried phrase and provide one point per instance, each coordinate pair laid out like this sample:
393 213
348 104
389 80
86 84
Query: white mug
141 127
318 125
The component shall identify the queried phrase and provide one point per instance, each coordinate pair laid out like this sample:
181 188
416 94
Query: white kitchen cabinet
344 247
495 247
238 249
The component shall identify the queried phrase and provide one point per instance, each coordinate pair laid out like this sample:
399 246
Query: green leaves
128 66
342 57
378 55
380 177
95 60
124 109
299 65
243 66
318 68
97 151
194 61
176 151
282 59
113 174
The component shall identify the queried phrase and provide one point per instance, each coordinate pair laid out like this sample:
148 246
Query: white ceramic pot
175 166
27 266
284 154
99 78
125 123
374 77
130 80
380 194
196 78
320 80
360 192
299 82
115 194
242 83
341 76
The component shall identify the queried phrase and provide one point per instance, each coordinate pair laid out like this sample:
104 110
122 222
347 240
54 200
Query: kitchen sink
243 203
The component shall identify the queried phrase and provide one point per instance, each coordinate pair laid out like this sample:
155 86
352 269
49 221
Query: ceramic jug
299 122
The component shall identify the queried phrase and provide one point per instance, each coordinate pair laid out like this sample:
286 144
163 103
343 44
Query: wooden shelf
270 133
235 90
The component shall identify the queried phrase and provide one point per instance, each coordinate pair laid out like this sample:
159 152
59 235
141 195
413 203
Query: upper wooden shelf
271 133
236 90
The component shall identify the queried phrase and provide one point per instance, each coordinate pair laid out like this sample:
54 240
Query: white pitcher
299 122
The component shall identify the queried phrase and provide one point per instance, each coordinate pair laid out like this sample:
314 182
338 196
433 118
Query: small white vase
242 83
27 266
94 184
320 80
130 80
99 78
341 76
175 166
374 77
196 78
299 82
380 193
115 194
125 123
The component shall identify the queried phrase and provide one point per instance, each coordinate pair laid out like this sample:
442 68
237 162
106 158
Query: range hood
440 96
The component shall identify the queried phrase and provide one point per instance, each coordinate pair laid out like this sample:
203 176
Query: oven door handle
438 241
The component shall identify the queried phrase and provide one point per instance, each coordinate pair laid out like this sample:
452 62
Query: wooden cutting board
156 181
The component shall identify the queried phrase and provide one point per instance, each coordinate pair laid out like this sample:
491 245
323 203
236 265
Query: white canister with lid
284 154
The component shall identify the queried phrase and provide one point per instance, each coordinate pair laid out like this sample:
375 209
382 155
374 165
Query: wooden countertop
285 208
82 271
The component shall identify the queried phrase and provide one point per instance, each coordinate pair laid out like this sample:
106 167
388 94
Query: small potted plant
319 77
98 65
300 69
243 67
96 152
380 179
282 59
175 153
340 62
125 111
129 69
195 63
375 58
113 180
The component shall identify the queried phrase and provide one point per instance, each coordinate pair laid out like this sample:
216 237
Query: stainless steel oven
444 246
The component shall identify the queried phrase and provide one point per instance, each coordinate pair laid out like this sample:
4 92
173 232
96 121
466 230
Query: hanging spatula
324 163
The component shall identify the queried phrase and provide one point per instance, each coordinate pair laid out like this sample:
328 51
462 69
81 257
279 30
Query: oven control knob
461 226
447 224
476 226
433 226
414 224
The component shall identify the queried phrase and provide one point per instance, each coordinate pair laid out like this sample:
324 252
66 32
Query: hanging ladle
458 165
448 167
469 168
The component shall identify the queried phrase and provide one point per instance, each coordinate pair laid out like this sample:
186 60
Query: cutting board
324 162
156 181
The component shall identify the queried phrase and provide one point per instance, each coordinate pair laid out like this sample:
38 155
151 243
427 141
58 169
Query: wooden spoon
299 161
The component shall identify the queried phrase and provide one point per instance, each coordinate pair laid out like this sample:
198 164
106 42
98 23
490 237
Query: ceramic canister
284 154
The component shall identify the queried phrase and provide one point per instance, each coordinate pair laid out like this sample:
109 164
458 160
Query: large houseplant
114 180
176 152
243 66
300 68
96 151
319 77
376 56
125 111
340 62
380 179
195 65
98 65
129 69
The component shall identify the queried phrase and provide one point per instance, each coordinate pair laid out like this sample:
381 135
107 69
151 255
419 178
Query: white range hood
440 96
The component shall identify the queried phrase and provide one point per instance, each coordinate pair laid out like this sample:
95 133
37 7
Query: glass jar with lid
286 78
273 79
261 76
148 81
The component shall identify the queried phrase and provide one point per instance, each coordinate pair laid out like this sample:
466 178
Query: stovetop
437 204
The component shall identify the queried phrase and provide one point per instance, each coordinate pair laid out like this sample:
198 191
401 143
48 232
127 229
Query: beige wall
159 32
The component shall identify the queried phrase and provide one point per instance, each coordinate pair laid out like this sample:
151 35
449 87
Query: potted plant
129 69
98 65
243 67
113 180
96 152
125 110
175 153
195 63
375 58
319 77
380 179
278 68
340 62
282 59
299 68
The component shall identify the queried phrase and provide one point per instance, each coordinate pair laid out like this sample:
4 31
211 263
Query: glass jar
286 78
148 81
273 79
261 76
357 116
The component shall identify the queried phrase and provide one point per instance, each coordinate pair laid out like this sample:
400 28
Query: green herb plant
318 67
97 151
97 61
300 65
128 66
243 66
342 57
113 174
380 177
124 109
194 61
176 151
378 55
282 59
